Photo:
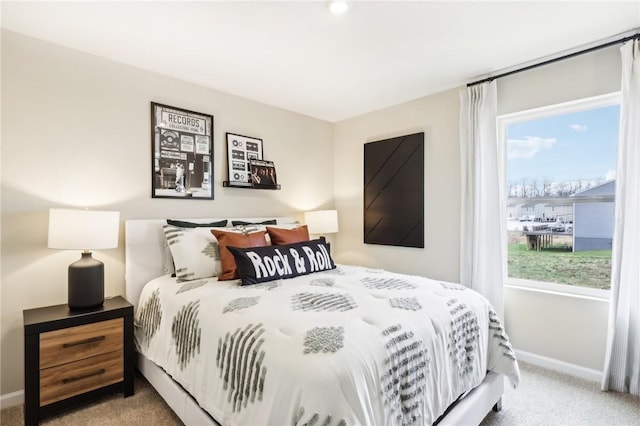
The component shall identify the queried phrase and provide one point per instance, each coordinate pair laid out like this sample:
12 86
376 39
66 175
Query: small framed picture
182 153
263 174
241 150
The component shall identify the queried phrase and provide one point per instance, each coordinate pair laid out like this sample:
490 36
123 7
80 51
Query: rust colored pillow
235 239
281 236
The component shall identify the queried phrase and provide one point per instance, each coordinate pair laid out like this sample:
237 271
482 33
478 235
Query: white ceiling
298 56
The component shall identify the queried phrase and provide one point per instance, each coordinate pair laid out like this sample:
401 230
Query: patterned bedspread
350 346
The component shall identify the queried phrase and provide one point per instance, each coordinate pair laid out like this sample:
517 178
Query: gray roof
605 189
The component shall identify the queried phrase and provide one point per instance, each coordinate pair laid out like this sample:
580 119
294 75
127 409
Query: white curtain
483 228
622 362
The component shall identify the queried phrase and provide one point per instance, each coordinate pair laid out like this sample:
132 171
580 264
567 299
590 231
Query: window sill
559 289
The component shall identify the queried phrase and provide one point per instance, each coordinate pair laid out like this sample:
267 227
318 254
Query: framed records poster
182 153
240 151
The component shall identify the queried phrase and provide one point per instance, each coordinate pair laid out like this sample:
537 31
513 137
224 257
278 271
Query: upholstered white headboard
147 255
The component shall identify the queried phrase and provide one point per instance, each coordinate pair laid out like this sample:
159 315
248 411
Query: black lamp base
86 283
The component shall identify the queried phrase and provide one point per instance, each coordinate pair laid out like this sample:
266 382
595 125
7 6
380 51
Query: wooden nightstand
74 356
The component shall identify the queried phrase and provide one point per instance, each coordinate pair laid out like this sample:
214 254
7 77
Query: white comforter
351 346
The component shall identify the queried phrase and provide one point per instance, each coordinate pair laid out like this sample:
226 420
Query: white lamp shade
83 229
322 221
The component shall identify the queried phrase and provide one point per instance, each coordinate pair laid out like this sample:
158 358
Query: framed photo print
263 174
240 151
182 153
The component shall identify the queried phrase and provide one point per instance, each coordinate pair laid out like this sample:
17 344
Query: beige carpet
144 408
544 398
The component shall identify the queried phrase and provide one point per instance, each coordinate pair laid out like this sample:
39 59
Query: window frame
502 122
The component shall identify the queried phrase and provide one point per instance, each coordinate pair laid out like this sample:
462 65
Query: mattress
349 346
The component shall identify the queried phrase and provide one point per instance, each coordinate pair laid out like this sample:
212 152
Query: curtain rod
560 58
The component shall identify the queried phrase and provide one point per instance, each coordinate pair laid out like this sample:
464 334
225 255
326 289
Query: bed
341 346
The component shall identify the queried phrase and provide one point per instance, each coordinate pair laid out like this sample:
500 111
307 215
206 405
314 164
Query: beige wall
561 327
75 132
583 76
437 117
566 328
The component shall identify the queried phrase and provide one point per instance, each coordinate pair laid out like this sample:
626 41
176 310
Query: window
560 188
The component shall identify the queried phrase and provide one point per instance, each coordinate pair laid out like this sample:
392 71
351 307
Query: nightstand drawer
63 381
75 343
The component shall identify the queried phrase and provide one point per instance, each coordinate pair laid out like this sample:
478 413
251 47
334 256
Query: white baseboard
11 399
559 366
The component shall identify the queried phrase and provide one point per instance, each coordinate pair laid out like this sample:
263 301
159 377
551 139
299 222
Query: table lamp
84 230
322 221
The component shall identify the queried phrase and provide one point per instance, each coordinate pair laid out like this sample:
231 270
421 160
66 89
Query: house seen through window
560 184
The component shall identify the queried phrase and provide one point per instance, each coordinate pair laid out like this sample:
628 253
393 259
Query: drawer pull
75 379
83 342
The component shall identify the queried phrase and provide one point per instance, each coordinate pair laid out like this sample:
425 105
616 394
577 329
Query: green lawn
559 265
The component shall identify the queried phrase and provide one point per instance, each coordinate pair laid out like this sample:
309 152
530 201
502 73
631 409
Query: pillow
265 222
183 224
195 252
280 236
235 239
261 264
246 229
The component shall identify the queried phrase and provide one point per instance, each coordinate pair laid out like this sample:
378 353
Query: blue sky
563 148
